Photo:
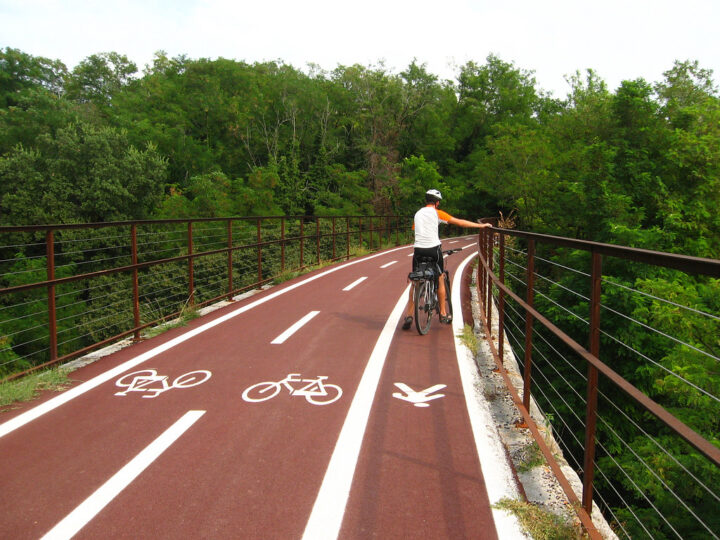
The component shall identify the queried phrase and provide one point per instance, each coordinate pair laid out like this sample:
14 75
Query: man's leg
442 295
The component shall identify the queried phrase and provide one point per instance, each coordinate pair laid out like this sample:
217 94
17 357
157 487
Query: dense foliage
637 166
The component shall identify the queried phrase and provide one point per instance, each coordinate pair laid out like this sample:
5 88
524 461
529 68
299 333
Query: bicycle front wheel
333 393
192 378
423 306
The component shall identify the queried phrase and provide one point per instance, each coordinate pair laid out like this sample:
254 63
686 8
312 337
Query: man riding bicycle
427 244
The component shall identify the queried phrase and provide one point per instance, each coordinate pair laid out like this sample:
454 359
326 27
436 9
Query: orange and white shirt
426 224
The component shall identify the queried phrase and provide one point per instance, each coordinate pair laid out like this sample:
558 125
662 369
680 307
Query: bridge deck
163 439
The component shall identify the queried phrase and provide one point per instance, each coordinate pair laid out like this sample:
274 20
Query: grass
187 314
538 523
469 339
28 387
531 457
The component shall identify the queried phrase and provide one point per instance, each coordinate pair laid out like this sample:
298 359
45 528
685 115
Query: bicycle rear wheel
423 306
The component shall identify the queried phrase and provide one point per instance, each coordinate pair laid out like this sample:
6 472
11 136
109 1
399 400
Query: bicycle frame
304 391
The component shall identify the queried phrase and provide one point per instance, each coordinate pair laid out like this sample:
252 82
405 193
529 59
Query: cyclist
427 244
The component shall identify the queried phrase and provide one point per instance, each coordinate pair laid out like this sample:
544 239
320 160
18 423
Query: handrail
686 263
102 224
487 279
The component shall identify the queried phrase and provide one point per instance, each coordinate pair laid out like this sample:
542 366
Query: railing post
333 237
371 233
136 287
317 238
230 256
480 269
282 244
483 284
347 232
490 259
360 231
592 384
527 377
302 242
501 302
52 312
259 253
191 270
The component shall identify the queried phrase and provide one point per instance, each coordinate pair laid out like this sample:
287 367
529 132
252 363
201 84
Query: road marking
52 404
499 481
329 508
388 264
141 381
418 398
294 328
87 510
356 282
314 391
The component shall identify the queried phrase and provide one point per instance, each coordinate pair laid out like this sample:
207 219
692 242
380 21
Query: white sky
619 39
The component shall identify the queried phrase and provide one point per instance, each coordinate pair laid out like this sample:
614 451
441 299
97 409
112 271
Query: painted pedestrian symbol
421 398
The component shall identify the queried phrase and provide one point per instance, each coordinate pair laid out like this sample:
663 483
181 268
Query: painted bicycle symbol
315 391
147 380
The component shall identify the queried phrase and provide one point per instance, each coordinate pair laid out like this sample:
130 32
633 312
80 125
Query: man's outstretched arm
468 224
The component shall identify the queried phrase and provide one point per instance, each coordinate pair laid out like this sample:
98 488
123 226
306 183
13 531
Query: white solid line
36 412
496 470
87 510
294 328
329 508
388 264
354 283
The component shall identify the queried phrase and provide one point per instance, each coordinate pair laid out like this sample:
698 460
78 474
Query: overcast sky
619 39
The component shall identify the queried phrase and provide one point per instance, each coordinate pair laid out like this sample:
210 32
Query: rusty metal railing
276 244
492 277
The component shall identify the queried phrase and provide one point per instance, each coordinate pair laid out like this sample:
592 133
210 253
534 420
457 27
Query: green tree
99 77
82 174
20 72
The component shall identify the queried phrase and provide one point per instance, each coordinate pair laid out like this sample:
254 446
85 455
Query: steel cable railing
67 289
624 450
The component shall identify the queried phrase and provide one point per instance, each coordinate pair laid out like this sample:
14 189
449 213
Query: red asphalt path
202 462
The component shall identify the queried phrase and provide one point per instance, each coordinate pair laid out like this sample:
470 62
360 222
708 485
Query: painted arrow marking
419 399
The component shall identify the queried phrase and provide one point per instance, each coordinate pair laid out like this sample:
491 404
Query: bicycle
425 283
315 392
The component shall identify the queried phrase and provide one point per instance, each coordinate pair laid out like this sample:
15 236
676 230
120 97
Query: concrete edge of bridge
538 485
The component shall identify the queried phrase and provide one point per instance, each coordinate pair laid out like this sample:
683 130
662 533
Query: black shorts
434 253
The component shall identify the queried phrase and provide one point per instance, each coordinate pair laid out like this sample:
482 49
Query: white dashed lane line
354 283
79 517
294 328
388 264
